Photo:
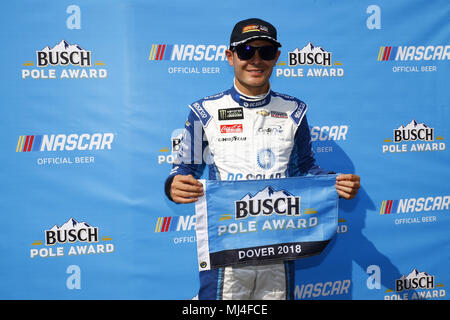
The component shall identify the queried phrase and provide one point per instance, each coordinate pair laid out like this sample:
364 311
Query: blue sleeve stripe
201 113
299 112
189 159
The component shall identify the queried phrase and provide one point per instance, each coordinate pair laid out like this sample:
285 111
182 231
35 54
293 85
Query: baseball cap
253 29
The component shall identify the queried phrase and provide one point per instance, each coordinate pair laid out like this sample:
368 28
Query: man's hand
185 189
347 185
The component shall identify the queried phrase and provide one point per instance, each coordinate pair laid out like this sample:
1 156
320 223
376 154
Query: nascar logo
159 52
27 143
182 52
420 204
177 223
385 53
389 206
402 53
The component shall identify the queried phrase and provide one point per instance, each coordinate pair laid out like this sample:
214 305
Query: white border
201 229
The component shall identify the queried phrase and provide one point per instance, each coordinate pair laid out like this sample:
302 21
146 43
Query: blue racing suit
239 138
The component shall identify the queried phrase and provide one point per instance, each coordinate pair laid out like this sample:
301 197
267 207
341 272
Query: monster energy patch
231 114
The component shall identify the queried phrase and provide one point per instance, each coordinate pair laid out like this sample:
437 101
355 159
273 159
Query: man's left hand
347 185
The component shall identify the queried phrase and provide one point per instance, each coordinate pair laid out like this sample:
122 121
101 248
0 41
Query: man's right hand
185 189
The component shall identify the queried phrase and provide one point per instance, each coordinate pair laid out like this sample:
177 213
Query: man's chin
257 85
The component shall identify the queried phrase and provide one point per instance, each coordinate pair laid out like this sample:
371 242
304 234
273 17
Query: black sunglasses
246 52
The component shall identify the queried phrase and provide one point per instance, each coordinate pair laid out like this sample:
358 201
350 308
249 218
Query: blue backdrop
95 95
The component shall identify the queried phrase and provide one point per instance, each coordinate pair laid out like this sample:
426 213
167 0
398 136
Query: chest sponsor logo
266 159
278 114
271 130
231 128
231 114
232 139
263 113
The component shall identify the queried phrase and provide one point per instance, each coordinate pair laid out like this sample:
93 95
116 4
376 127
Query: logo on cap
255 27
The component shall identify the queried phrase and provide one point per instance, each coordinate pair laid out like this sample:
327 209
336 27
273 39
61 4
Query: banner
251 222
95 98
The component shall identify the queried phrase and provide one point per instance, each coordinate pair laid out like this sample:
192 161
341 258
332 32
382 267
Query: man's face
252 76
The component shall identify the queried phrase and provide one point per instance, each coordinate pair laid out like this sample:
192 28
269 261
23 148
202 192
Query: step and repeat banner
95 97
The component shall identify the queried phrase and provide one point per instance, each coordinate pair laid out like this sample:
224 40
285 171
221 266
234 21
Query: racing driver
251 132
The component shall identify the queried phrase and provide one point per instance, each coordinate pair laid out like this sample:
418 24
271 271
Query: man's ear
229 55
276 58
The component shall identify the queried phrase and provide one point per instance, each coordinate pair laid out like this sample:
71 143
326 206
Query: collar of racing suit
250 101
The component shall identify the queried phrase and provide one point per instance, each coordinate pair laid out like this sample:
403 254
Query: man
251 133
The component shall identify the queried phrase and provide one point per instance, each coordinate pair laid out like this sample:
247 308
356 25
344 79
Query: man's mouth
256 71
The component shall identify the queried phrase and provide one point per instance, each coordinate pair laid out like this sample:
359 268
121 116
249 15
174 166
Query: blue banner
257 221
95 97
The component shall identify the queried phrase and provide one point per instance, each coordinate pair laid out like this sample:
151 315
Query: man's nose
256 58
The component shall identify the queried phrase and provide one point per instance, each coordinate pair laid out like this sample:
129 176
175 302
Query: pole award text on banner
259 221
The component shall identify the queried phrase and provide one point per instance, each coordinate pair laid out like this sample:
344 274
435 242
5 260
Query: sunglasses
246 52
